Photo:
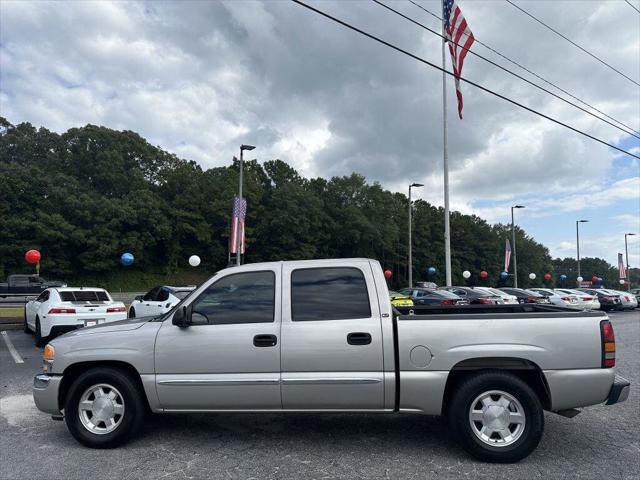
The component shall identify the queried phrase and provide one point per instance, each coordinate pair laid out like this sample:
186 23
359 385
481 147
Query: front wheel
26 325
132 313
39 339
104 408
496 417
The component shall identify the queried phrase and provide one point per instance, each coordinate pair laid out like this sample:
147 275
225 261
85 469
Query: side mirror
139 298
180 318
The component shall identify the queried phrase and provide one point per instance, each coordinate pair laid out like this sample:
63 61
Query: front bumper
619 390
45 393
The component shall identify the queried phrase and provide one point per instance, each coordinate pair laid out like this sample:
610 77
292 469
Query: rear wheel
26 325
496 417
40 340
104 408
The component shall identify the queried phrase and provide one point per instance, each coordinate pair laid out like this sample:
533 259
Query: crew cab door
331 338
229 357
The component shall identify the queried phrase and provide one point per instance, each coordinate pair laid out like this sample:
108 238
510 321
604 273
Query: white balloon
466 274
532 276
580 279
194 260
621 282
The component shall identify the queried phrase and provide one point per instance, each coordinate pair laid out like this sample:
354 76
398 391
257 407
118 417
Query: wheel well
72 372
526 370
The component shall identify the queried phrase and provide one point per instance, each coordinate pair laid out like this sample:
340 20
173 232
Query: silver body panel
313 367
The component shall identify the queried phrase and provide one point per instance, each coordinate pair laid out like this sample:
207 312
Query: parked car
636 293
59 310
400 300
608 301
586 301
24 284
525 296
429 296
158 300
474 296
506 298
321 335
627 301
558 298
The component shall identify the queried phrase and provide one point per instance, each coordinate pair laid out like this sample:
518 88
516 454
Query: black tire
40 340
134 407
132 312
26 325
461 425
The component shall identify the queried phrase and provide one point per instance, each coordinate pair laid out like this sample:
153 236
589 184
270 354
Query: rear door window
338 293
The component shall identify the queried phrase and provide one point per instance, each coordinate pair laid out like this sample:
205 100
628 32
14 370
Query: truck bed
422 312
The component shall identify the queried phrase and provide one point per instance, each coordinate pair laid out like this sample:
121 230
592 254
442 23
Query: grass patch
11 312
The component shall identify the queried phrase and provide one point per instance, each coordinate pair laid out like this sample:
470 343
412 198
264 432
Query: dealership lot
601 442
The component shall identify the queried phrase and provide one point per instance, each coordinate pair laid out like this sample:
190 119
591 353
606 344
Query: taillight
533 299
566 299
608 344
587 299
116 309
484 301
627 299
54 311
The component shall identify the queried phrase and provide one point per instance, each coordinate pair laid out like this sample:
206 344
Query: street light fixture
238 240
513 240
626 253
578 222
416 185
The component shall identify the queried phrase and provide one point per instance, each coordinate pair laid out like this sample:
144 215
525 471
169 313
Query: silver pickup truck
322 336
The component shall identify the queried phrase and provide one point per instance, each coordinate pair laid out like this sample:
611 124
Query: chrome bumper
619 390
45 393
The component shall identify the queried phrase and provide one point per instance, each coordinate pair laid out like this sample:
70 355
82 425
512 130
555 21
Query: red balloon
484 274
32 256
594 279
387 274
547 276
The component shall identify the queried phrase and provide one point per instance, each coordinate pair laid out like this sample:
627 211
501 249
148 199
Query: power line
572 42
632 6
508 71
548 82
485 89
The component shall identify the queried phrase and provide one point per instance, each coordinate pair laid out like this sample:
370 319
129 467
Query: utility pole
410 231
238 240
513 241
578 222
626 253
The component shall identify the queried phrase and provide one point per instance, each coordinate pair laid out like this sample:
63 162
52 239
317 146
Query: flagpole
445 158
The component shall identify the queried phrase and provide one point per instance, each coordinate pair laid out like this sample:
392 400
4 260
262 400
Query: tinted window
445 294
44 296
151 294
19 280
163 295
84 296
238 298
328 294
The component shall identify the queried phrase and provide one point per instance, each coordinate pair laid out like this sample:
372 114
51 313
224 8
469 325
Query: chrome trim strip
330 381
219 383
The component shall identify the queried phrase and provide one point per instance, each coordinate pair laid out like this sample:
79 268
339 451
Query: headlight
48 355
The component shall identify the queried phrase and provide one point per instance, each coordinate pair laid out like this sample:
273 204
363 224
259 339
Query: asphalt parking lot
601 442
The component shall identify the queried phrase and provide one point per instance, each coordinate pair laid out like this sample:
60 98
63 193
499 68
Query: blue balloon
431 270
126 259
563 277
600 280
503 275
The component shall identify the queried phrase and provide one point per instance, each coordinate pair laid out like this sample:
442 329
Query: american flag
507 255
455 27
237 224
621 268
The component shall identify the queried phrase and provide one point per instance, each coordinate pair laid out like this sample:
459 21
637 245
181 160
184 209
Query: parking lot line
12 350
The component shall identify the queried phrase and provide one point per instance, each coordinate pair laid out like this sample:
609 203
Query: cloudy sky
200 78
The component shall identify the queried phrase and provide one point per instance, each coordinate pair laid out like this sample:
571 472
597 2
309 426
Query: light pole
410 246
578 222
513 240
238 240
626 253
